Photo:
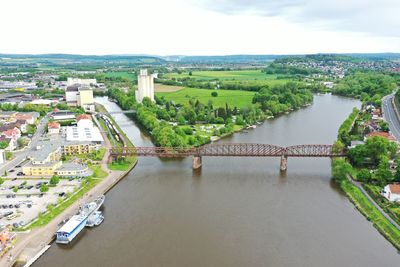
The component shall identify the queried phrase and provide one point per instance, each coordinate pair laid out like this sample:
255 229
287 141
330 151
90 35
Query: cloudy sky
199 27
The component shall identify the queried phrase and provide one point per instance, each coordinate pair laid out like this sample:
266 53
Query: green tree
44 188
54 180
214 94
3 144
364 175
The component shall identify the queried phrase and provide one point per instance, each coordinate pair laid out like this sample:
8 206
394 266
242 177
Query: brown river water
234 211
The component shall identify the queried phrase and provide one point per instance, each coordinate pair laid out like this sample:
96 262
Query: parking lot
20 208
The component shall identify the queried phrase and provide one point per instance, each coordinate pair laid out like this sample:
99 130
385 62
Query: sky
199 27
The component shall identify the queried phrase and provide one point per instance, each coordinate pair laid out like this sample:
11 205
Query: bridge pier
197 162
283 163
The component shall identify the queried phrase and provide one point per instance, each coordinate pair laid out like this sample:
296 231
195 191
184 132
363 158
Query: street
390 115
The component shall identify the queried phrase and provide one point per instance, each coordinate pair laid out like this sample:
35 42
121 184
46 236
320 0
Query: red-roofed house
53 127
83 117
25 117
392 192
382 134
14 133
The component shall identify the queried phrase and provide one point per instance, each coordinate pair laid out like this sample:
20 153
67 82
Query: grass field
123 74
166 88
225 75
234 98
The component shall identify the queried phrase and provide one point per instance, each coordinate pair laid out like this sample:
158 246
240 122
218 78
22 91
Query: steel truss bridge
228 150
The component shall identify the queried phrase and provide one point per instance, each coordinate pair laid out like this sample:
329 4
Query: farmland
234 98
239 75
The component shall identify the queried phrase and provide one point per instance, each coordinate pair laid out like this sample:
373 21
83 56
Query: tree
44 188
214 94
364 175
1 180
340 169
190 73
3 144
54 180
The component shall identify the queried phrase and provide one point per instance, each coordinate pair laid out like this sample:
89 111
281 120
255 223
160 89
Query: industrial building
145 86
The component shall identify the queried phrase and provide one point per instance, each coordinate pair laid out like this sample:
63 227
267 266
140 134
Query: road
390 115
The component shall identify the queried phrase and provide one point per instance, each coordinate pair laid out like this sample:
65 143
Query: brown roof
382 134
395 188
83 117
23 116
53 125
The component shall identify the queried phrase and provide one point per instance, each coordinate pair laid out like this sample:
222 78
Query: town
57 132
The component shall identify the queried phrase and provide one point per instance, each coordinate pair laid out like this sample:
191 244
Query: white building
84 131
88 82
392 192
81 96
145 86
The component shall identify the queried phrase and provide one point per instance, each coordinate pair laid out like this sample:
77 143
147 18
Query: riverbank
33 241
342 171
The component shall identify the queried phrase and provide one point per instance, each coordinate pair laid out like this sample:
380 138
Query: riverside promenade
31 242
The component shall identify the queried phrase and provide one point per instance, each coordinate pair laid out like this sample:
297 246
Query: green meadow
234 98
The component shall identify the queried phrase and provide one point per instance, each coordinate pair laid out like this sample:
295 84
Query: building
386 135
79 148
85 131
53 127
145 86
45 169
11 132
28 117
62 115
88 82
44 161
391 192
73 170
80 96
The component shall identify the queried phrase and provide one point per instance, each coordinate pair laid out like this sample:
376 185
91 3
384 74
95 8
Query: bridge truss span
229 150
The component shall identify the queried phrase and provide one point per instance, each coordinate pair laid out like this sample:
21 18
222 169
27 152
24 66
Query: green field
241 75
122 74
234 98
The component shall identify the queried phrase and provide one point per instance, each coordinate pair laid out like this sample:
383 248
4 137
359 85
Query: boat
95 219
76 223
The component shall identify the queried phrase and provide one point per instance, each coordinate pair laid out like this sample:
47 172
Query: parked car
18 166
13 179
61 194
11 170
20 174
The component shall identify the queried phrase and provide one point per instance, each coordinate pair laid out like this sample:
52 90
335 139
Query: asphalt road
390 116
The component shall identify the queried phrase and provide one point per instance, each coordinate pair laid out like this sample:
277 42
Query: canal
234 211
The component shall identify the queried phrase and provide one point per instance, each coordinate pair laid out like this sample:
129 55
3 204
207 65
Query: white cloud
179 27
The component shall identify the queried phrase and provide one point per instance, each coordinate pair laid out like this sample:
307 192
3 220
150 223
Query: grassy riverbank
341 169
387 229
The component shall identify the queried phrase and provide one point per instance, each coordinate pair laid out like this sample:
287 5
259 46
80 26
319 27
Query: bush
214 94
44 188
54 180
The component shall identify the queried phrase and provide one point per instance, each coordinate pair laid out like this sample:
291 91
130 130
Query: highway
390 115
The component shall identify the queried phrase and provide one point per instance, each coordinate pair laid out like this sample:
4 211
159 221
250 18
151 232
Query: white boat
71 229
95 219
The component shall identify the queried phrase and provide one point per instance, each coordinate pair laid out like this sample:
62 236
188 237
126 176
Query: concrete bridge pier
197 162
283 163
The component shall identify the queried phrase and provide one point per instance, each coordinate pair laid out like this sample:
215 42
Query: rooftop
395 188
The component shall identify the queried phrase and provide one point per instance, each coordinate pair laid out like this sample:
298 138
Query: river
234 211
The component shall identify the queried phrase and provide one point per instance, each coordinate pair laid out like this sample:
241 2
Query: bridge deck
229 150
